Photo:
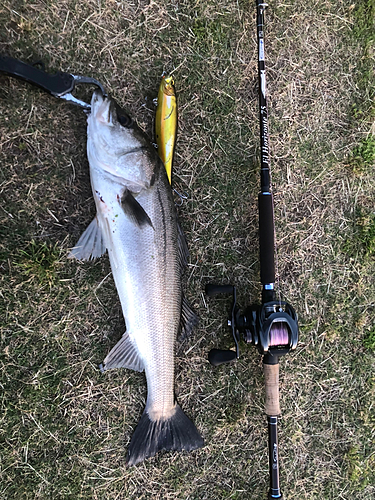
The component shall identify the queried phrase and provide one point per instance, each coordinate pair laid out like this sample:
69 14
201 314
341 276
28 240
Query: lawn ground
65 426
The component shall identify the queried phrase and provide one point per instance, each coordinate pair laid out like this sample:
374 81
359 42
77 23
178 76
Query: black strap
57 84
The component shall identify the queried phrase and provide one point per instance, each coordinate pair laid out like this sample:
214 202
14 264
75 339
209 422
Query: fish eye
124 120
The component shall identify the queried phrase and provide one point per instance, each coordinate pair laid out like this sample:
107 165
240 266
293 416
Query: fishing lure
166 123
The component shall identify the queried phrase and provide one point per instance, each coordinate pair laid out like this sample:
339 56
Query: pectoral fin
90 245
134 210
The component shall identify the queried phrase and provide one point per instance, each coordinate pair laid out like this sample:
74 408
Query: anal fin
124 355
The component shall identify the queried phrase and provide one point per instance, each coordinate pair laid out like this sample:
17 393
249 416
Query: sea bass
136 222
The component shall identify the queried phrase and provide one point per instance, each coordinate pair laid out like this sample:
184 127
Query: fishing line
182 196
277 274
279 334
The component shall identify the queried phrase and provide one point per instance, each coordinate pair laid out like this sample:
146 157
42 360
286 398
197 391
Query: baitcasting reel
272 327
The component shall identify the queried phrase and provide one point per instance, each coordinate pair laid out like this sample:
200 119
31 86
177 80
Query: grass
370 340
361 241
40 261
363 30
64 426
362 158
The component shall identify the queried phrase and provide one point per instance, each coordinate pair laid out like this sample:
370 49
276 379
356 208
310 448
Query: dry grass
65 427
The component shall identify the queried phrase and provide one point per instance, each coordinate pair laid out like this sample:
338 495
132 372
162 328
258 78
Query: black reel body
271 327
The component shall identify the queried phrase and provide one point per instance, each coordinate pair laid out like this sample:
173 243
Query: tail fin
175 433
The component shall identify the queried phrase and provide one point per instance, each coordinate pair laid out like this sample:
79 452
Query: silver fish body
137 223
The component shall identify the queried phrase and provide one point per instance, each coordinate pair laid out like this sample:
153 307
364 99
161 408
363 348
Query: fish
166 122
136 222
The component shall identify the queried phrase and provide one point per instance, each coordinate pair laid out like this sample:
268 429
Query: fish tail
175 433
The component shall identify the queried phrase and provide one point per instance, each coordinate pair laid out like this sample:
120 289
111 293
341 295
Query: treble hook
183 196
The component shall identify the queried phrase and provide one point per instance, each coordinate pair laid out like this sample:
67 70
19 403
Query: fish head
116 144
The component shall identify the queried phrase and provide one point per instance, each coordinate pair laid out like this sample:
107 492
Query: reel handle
221 356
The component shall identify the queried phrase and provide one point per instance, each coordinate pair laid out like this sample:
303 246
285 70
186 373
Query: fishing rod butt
273 454
273 497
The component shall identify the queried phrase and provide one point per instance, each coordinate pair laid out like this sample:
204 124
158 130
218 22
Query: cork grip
271 379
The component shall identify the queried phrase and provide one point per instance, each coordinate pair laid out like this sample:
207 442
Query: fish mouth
102 108
107 111
97 98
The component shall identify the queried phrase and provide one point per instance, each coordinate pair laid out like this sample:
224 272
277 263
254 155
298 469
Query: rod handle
271 380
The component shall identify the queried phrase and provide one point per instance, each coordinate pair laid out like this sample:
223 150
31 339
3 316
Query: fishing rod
271 326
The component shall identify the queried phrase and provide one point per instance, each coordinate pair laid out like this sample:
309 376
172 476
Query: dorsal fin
183 251
188 320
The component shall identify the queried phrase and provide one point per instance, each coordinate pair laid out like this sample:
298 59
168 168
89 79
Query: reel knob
212 290
219 356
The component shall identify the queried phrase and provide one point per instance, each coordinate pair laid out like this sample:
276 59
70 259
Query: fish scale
137 223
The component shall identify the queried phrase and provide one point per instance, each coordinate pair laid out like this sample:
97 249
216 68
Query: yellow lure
166 123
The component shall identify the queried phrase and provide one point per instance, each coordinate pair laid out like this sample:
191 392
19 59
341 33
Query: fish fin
188 321
183 251
175 433
91 244
124 355
134 210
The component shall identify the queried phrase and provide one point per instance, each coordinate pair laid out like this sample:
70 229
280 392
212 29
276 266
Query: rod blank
266 238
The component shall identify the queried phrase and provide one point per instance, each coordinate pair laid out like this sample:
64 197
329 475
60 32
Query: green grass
370 340
360 468
64 426
363 30
39 261
360 242
362 159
